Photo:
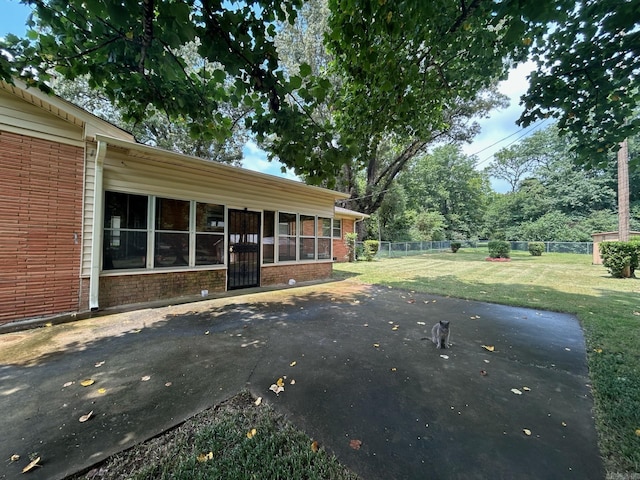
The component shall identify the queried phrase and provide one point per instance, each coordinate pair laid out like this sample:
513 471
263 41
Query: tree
447 182
155 129
395 84
587 77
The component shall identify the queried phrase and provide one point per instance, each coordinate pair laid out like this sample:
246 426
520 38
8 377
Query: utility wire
523 133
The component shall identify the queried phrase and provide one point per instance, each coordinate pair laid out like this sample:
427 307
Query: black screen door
244 249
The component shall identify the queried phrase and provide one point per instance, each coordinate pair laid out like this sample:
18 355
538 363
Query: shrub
620 258
350 240
536 248
370 249
499 249
455 246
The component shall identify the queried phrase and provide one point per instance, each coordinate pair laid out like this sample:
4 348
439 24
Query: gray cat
440 334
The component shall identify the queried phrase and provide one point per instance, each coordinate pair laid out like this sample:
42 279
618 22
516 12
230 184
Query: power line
521 131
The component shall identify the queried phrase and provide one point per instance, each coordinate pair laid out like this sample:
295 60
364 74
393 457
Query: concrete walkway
363 370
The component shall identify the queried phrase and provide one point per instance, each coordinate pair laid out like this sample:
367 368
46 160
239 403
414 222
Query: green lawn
608 308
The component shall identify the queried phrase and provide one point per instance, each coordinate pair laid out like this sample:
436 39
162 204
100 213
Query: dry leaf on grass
32 465
355 444
251 433
314 446
258 401
203 457
638 432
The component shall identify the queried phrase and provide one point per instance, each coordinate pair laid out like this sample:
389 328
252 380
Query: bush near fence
405 249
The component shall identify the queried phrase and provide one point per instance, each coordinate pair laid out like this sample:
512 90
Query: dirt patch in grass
234 440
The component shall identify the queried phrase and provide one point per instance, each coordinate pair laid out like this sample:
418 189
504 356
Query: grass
215 444
608 309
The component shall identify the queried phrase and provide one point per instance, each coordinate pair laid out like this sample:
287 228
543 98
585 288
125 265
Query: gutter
97 227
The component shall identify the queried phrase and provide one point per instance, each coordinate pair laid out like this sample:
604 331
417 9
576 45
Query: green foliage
620 258
536 248
588 68
499 249
350 240
455 246
370 249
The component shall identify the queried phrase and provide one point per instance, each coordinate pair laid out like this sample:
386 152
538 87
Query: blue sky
498 131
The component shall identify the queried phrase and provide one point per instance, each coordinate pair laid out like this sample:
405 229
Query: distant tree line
443 196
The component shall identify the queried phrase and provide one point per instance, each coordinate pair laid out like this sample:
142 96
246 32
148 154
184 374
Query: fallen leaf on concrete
68 384
564 424
446 357
413 300
99 364
483 373
395 327
377 345
293 364
355 444
168 384
102 391
276 389
490 348
203 457
86 417
393 369
32 465
146 378
526 389
516 391
486 361
252 433
280 382
314 446
421 323
207 332
474 317
87 382
526 431
292 382
15 457
258 401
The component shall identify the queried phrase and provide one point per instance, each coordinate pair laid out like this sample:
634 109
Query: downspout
97 227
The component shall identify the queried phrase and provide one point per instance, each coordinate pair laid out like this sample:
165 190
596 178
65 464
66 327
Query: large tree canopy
587 77
400 60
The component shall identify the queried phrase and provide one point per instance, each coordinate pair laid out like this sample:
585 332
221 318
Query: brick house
91 219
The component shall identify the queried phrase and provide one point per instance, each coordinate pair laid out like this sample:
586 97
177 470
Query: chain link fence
405 249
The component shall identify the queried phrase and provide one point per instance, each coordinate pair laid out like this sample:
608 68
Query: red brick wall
41 184
281 274
128 289
340 252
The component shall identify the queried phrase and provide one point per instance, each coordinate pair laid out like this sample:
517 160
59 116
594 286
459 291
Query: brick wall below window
128 289
300 272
